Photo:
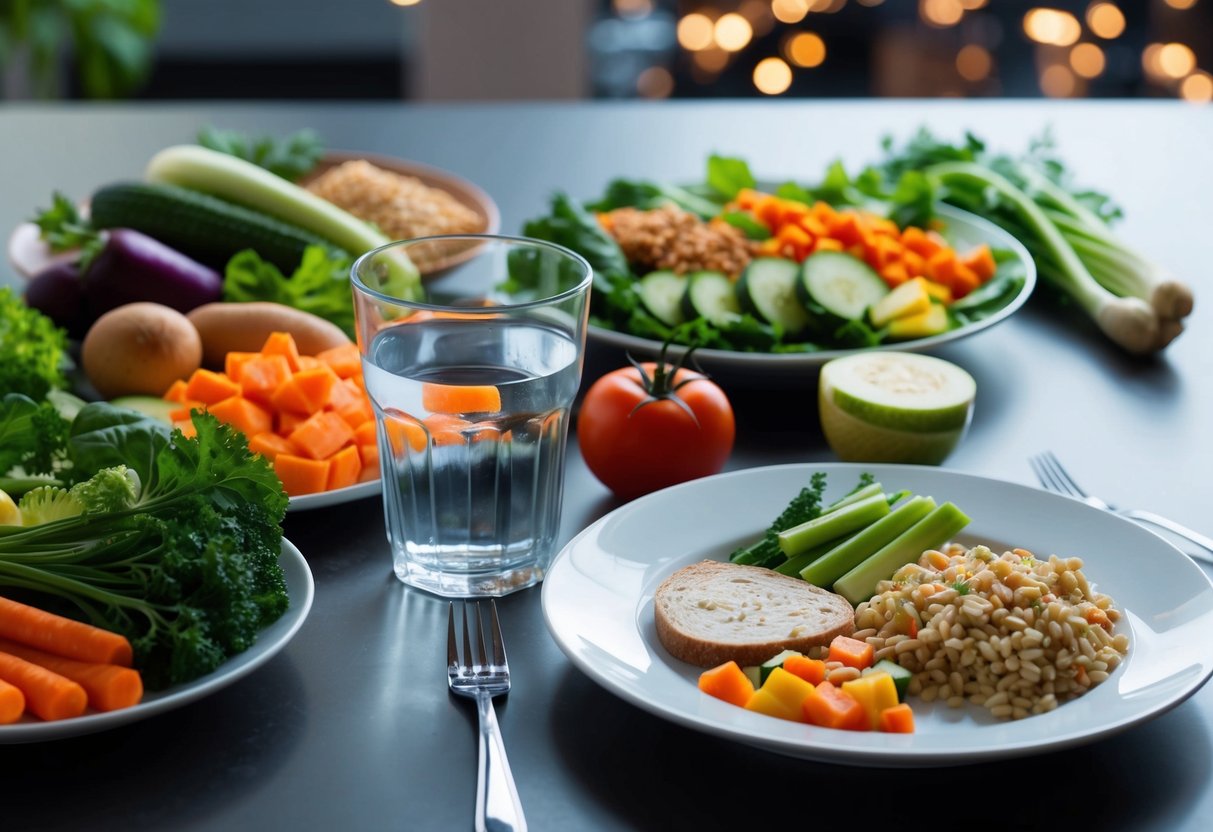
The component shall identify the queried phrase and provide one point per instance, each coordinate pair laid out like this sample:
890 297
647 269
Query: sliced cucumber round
837 287
661 293
768 287
894 407
711 295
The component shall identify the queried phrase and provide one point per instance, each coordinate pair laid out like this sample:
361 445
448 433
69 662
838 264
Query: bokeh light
789 11
1087 60
974 62
941 13
806 49
655 82
772 76
733 32
1181 4
695 32
1106 20
1052 26
1057 81
1176 60
1197 88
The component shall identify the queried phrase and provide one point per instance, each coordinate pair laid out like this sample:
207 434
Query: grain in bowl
1013 633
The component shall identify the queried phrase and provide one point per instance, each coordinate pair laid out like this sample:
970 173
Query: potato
243 327
140 349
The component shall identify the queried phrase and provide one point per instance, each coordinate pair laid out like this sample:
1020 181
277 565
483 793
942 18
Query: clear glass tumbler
472 375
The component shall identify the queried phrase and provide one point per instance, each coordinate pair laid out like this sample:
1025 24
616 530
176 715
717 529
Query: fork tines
480 661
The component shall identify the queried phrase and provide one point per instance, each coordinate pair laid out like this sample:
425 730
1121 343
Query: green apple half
894 407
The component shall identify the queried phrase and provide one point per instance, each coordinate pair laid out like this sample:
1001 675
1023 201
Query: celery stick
843 558
854 497
834 524
792 566
931 532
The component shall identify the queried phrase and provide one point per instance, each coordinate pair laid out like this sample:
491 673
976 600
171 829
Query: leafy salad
727 263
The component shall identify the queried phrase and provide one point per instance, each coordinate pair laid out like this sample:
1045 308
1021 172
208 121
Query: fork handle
498 808
1171 526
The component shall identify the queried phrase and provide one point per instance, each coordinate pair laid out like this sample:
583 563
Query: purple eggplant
57 292
132 267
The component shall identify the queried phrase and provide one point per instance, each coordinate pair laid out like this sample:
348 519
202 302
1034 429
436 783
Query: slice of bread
710 612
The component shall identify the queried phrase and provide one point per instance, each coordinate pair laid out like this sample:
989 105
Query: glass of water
472 375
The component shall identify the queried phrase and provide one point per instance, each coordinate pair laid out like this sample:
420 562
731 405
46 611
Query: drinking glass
472 375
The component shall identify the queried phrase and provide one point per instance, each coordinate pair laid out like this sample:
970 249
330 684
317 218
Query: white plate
964 231
300 589
598 604
323 499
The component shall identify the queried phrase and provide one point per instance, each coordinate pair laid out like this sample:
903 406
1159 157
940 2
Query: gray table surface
352 727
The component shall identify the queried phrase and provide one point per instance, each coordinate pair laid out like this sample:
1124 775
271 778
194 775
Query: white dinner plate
323 499
964 231
300 589
598 604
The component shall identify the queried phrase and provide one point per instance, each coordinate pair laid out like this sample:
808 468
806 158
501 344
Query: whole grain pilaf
1012 633
670 238
403 207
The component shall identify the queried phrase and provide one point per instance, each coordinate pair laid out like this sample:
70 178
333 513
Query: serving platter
300 589
336 497
963 230
597 602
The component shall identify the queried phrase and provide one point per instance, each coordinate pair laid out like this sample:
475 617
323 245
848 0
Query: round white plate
964 230
300 589
598 604
323 499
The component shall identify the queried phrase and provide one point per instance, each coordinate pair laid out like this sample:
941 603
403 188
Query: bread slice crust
712 612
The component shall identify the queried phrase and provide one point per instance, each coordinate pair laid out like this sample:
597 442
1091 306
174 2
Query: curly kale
33 349
804 507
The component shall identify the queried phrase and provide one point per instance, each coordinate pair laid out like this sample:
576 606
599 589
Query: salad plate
336 497
598 605
300 589
963 230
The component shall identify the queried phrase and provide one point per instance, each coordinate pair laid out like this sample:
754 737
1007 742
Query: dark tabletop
351 726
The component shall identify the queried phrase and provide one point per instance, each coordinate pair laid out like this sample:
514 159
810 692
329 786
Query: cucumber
205 228
218 174
837 287
711 295
768 288
158 409
661 293
752 673
901 676
764 669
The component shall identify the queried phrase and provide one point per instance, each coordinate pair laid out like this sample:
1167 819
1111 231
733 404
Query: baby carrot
109 686
62 636
12 703
48 695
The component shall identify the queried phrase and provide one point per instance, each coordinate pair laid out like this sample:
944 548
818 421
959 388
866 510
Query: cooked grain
670 238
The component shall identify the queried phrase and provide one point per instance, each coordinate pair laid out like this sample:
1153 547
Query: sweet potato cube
208 387
282 343
261 375
247 417
322 435
300 475
344 468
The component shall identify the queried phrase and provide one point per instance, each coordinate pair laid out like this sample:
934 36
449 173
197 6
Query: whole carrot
47 695
62 636
109 686
12 703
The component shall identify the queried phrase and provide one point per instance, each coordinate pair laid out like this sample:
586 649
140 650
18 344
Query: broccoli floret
110 489
48 503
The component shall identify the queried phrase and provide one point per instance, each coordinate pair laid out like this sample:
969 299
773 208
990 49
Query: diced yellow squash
10 515
938 291
875 692
781 695
931 322
910 298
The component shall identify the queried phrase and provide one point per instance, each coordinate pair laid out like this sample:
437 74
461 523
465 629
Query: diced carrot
401 432
307 391
918 241
460 398
248 417
981 261
916 264
322 435
369 454
234 362
898 719
270 444
823 211
727 682
208 387
300 475
182 414
826 244
814 226
285 422
349 402
894 274
829 707
309 362
261 375
108 686
344 360
282 343
845 228
812 671
186 427
851 652
176 392
62 636
344 468
12 703
48 695
365 434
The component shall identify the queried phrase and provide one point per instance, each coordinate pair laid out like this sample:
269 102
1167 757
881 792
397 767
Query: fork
1054 477
498 808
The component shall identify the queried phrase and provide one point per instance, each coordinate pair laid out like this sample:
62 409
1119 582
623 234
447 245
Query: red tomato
636 438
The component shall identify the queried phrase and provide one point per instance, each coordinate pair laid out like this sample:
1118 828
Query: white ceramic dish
598 604
300 588
964 230
323 499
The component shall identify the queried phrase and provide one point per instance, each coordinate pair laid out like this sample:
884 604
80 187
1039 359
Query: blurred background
607 49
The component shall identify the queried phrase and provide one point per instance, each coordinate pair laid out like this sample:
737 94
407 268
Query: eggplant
133 267
57 292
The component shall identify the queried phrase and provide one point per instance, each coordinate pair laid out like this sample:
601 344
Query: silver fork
1054 477
498 808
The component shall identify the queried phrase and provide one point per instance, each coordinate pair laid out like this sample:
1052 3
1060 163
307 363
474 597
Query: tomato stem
660 385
